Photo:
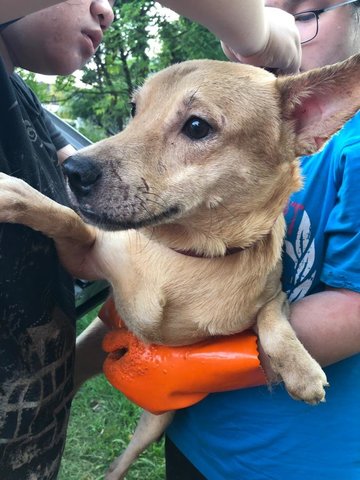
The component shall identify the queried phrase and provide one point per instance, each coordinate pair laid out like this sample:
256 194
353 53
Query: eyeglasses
308 22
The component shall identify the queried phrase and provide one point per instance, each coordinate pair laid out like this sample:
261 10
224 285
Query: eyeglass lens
307 24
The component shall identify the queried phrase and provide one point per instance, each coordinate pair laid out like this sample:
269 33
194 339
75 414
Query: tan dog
203 172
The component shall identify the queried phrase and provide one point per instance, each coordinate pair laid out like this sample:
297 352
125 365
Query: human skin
11 9
57 40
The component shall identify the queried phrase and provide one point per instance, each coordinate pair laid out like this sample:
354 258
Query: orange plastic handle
160 378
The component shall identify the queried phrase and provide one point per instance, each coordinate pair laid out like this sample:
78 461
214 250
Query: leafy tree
185 40
44 91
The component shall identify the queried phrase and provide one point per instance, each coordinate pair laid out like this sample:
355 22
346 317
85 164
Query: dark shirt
37 334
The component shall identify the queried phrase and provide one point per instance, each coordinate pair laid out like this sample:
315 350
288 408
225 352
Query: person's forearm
328 324
11 9
238 23
89 353
65 152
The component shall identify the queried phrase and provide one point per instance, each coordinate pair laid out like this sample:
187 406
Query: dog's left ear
317 103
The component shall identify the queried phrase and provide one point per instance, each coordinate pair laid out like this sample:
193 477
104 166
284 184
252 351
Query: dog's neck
213 232
216 235
217 231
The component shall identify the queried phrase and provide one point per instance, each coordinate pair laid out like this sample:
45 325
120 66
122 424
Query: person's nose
102 9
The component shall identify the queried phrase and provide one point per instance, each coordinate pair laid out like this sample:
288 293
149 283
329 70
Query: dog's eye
196 128
133 109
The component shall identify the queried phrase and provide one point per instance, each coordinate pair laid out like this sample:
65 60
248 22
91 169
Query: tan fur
226 190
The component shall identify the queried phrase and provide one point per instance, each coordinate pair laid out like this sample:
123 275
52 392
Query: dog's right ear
317 103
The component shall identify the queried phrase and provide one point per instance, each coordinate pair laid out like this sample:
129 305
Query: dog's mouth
107 222
112 222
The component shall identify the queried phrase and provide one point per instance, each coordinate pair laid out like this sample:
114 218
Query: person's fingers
282 53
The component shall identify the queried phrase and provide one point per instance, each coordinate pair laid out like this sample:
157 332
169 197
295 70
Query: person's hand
282 51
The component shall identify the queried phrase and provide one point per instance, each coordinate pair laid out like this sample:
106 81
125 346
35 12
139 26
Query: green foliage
43 91
185 40
101 424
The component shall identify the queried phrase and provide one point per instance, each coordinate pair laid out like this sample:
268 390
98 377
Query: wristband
160 378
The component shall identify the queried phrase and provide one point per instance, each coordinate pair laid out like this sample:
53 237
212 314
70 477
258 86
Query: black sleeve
33 105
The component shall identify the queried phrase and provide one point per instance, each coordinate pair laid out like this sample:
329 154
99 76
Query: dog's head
211 151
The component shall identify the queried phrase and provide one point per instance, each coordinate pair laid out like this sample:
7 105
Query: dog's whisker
149 237
143 205
227 210
139 239
191 99
162 203
210 225
14 172
145 192
114 171
142 202
156 203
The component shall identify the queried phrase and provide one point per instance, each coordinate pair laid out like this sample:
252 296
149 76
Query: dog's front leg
149 429
20 203
303 377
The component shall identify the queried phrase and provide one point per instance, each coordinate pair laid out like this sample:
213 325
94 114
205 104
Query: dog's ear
317 103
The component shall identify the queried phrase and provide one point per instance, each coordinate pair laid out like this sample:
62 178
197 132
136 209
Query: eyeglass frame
317 14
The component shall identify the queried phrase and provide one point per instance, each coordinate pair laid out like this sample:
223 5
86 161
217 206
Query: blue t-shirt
258 434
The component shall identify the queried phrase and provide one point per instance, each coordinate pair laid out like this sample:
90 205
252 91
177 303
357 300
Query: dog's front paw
16 197
303 377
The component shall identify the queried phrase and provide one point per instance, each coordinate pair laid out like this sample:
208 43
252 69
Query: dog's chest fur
181 299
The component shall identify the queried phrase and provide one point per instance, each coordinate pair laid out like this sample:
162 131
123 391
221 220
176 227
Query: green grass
101 424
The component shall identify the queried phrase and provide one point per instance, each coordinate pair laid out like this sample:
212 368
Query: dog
184 209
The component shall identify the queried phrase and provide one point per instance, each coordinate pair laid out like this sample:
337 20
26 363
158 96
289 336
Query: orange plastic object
109 315
159 378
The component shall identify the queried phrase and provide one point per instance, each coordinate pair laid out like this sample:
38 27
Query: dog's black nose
83 173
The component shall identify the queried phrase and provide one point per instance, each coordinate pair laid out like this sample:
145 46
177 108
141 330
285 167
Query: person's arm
65 152
249 31
328 325
11 9
89 356
63 148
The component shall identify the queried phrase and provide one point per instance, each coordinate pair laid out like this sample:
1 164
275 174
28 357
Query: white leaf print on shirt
303 256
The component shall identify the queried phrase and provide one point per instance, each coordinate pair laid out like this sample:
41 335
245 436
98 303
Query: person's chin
69 66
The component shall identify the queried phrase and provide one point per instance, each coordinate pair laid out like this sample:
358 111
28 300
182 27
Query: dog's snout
83 173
